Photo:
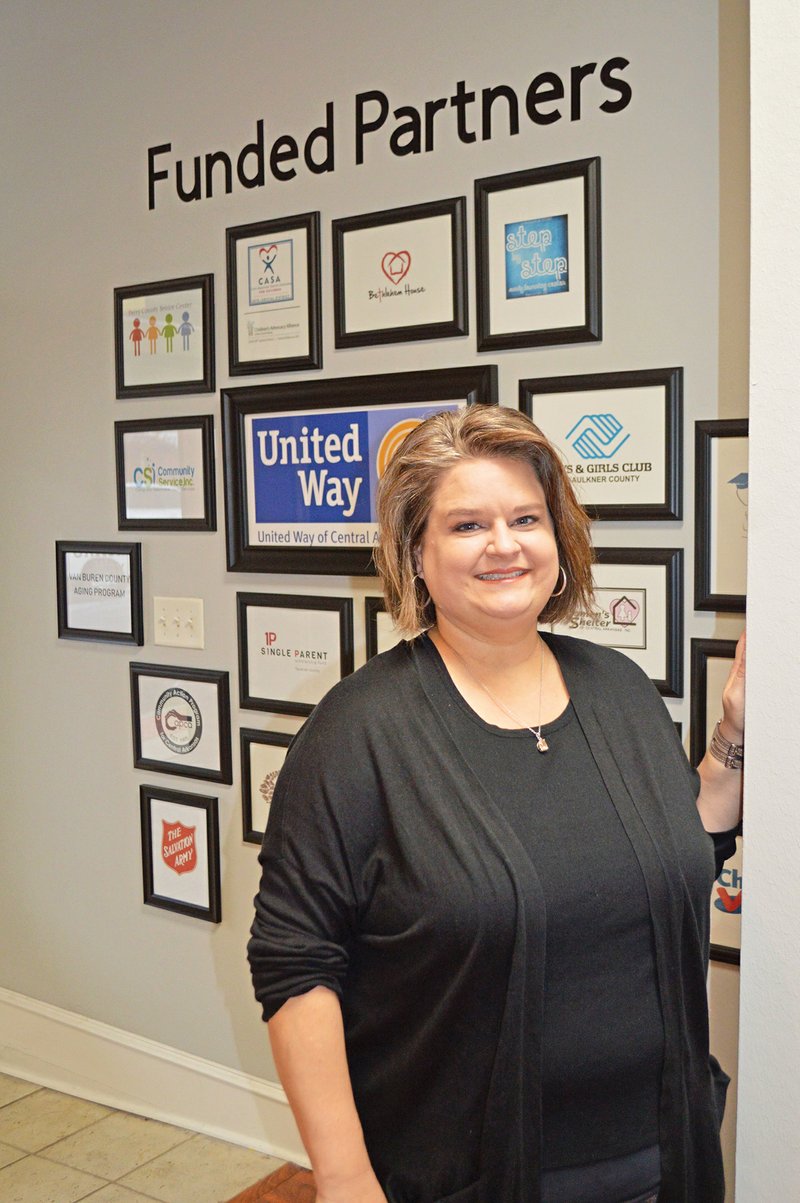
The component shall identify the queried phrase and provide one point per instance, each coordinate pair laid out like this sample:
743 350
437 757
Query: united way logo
270 272
597 436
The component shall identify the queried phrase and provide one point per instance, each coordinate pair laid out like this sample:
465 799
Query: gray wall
87 87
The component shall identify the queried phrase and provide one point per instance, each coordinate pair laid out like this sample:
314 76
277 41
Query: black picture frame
669 503
297 297
293 656
133 380
100 588
669 681
185 845
393 268
702 651
130 490
249 737
706 432
558 324
216 765
292 405
373 607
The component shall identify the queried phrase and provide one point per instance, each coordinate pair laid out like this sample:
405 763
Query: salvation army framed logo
303 461
181 721
180 852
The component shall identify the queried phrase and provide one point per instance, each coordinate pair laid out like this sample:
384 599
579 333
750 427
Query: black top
391 876
603 1036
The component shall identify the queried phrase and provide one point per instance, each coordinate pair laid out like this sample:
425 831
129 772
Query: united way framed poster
303 461
620 437
164 337
538 256
401 274
274 322
639 611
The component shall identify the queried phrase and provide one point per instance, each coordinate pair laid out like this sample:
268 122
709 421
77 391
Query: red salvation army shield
178 847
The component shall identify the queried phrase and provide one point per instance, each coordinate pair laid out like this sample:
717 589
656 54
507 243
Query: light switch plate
178 621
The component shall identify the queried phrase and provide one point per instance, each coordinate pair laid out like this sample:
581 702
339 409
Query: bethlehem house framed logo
303 461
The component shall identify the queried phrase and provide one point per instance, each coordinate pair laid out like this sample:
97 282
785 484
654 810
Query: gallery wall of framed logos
302 458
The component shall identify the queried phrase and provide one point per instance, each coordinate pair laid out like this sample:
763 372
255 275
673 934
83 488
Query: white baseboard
79 1056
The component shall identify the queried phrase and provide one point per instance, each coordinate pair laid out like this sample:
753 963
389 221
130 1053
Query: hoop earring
562 570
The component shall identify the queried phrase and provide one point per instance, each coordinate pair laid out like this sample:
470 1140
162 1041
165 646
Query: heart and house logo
395 265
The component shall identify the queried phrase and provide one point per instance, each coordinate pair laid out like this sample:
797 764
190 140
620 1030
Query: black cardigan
390 877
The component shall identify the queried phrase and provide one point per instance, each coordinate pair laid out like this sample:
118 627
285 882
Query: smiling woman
483 967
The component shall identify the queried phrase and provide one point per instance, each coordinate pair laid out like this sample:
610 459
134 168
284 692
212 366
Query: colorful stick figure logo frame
164 337
721 514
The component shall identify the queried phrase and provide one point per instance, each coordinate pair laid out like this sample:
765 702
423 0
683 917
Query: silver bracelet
731 755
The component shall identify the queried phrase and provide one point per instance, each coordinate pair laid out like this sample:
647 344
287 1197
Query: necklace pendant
542 744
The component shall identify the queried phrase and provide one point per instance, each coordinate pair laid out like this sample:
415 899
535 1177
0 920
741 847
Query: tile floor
58 1149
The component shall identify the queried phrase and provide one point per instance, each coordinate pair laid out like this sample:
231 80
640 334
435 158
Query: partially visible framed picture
180 852
639 597
711 661
164 337
401 274
620 436
166 474
181 721
274 322
538 256
292 649
303 461
382 634
720 523
99 591
263 754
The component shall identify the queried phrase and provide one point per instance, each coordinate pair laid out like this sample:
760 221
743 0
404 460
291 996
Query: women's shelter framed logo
303 462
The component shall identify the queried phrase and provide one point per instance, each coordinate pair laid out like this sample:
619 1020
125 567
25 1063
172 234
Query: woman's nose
502 541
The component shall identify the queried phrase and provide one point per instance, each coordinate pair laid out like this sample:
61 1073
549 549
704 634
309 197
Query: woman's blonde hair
406 491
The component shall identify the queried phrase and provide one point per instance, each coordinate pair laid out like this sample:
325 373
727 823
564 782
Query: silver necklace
541 743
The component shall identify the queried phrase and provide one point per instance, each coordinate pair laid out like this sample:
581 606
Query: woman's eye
526 520
467 526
